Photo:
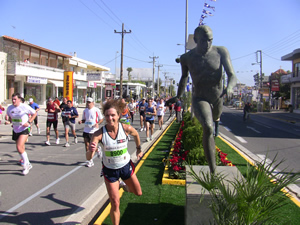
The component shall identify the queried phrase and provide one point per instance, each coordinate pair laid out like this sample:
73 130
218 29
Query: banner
68 85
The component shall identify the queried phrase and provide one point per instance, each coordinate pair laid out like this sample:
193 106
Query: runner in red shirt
52 118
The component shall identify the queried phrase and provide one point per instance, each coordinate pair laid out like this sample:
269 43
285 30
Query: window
82 71
297 70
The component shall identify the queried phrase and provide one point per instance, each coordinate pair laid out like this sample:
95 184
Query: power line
243 56
285 39
96 15
106 12
111 11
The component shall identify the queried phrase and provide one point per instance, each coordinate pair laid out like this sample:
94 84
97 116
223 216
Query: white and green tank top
115 152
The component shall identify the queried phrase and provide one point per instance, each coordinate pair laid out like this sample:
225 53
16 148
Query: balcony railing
30 69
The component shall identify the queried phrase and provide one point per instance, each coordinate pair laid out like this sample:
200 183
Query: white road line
40 191
262 125
252 128
241 139
228 129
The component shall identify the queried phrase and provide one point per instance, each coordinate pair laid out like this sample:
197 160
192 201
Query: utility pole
165 75
158 85
260 80
122 51
153 58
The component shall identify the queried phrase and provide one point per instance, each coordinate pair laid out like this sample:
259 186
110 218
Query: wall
3 63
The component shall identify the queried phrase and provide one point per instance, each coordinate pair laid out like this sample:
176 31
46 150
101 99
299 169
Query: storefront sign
36 80
275 85
113 81
92 84
81 83
68 85
93 76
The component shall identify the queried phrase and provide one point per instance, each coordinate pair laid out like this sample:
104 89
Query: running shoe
39 131
57 141
89 163
123 185
151 138
30 134
148 139
47 143
26 169
99 154
21 162
75 140
141 129
145 128
67 145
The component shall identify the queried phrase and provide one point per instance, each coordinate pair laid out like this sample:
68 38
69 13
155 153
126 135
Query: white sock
25 158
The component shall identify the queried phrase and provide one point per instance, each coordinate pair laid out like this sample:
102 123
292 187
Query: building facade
35 71
293 78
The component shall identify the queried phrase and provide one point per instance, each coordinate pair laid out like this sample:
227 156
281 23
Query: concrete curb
89 209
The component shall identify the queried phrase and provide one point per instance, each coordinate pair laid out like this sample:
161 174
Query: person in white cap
36 107
91 118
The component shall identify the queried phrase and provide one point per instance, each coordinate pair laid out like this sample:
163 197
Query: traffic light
256 79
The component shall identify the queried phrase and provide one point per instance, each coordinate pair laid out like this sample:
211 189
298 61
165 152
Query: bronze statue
205 63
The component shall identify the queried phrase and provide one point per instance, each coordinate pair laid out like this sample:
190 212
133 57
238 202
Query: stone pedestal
197 212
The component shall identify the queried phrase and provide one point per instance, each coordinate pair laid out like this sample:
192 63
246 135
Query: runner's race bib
89 123
50 116
17 121
66 113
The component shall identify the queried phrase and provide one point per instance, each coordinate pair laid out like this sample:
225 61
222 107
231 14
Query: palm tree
129 69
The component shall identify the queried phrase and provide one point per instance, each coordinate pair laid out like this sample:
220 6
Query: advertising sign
36 80
93 76
275 85
68 85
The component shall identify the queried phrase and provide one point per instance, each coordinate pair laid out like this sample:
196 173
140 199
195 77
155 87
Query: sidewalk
280 115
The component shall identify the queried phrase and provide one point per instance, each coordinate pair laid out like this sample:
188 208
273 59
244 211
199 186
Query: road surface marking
241 139
8 212
251 128
228 129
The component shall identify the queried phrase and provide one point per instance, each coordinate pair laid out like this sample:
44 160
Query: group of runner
22 117
112 138
148 110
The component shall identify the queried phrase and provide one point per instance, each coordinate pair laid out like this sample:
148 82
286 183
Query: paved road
265 135
59 188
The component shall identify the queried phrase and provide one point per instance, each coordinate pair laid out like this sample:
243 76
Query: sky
156 28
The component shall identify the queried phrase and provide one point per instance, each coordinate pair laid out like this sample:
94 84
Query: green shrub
196 156
192 137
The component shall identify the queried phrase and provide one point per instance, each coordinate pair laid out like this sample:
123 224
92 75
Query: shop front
80 91
34 88
109 90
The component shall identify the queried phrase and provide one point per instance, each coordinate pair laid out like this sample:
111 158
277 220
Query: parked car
237 104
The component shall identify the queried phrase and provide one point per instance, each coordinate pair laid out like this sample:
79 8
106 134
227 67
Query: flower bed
175 170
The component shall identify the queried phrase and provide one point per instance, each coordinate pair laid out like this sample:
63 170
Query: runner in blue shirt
69 115
150 114
142 108
36 107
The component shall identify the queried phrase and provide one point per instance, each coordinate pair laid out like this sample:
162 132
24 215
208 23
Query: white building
36 71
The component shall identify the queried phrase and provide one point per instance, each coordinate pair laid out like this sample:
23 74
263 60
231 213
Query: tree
160 86
129 70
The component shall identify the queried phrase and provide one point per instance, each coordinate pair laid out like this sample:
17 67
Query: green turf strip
164 204
159 204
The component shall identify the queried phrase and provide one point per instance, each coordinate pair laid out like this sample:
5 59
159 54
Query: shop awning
57 83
